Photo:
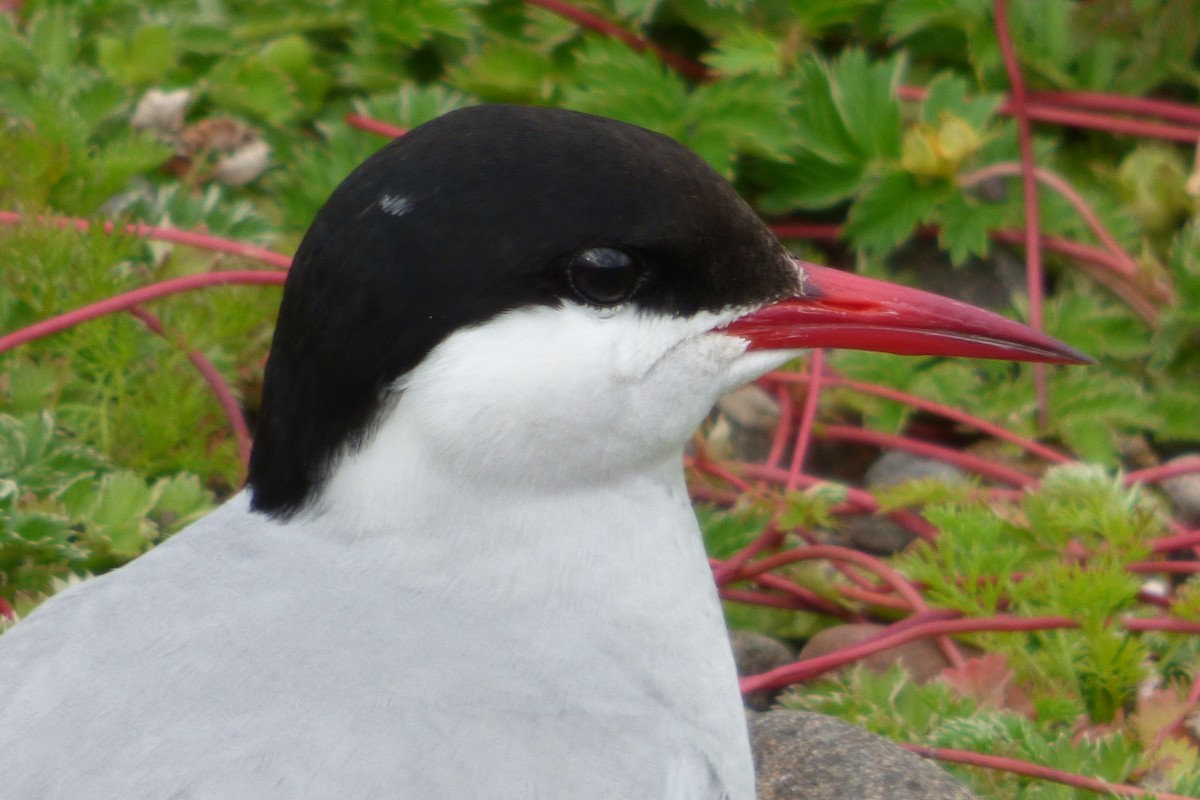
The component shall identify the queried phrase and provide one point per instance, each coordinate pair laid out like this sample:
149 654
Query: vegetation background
909 138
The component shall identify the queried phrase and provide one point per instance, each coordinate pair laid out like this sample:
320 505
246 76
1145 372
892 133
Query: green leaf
140 60
17 57
888 213
180 500
817 15
612 80
813 507
738 115
821 127
966 223
808 181
866 99
252 87
504 72
745 51
122 497
948 94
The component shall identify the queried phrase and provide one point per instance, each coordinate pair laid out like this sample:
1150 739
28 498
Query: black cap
478 212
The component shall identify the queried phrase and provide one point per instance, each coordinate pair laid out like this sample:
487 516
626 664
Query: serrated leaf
139 60
250 86
612 80
866 99
17 58
123 497
41 529
887 213
821 128
180 499
809 181
965 225
918 492
813 507
948 94
745 51
504 72
817 15
738 115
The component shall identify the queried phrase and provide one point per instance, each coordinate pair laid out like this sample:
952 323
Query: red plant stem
873 598
1181 718
808 414
1102 122
1172 567
1120 104
820 231
127 300
1178 542
769 539
1180 466
857 499
705 465
1129 267
1121 262
212 376
1039 107
1163 624
981 466
1033 251
949 412
812 667
753 598
1019 767
782 585
800 596
203 241
836 553
1097 265
684 66
370 125
779 437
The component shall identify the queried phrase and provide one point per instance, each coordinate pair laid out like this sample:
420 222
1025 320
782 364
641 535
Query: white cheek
582 390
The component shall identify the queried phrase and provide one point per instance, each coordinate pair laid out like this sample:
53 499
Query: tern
464 564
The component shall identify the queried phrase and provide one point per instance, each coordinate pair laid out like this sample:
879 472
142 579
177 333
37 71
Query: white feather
502 594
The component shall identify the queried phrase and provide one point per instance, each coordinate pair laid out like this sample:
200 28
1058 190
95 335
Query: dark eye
604 276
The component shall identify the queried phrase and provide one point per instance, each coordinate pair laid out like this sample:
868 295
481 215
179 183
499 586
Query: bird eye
604 276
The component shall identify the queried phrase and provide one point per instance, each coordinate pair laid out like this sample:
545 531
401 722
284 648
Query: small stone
799 755
880 535
161 111
244 164
755 653
751 414
1184 492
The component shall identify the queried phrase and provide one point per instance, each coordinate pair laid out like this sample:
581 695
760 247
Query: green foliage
802 113
65 510
983 564
937 715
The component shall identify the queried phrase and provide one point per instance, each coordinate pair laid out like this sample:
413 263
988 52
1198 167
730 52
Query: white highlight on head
395 205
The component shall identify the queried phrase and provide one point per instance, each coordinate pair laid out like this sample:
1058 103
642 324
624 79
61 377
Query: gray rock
755 653
799 755
992 282
751 413
879 534
1184 491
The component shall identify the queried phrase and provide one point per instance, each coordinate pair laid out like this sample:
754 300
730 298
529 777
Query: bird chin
754 363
